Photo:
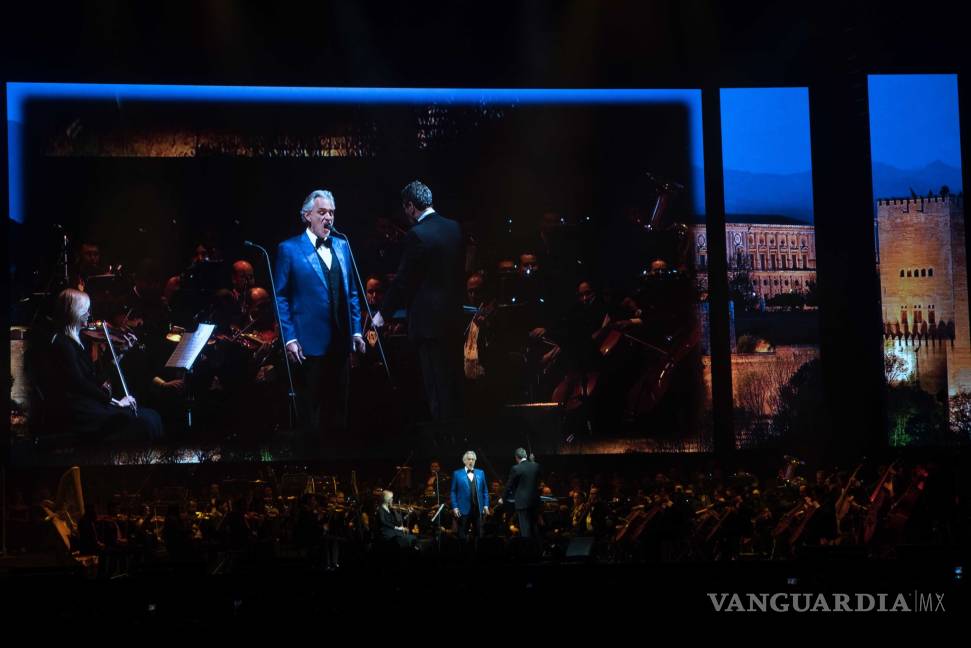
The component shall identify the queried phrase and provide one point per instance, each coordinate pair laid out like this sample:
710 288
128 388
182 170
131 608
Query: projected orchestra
416 304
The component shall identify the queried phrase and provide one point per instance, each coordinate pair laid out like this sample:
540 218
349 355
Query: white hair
308 204
469 454
72 305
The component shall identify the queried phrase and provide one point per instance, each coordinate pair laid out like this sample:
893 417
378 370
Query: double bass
880 497
903 508
846 502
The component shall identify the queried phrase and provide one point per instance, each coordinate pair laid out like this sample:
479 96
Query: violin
481 315
123 338
114 357
485 312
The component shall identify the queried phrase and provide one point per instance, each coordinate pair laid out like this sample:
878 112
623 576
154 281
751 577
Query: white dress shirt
326 257
324 252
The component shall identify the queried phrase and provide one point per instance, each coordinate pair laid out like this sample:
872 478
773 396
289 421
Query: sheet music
190 346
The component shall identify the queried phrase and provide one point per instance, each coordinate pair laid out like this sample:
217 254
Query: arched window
901 273
908 273
923 272
930 272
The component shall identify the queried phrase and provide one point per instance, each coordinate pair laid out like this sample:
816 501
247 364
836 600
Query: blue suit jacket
462 492
303 297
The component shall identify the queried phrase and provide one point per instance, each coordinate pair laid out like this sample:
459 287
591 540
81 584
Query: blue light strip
18 94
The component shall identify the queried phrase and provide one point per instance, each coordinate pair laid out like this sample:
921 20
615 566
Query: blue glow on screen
915 134
18 94
766 150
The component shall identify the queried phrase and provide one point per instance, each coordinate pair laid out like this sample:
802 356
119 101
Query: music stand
184 357
437 526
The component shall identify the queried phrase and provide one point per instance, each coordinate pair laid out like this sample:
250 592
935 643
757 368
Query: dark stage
684 284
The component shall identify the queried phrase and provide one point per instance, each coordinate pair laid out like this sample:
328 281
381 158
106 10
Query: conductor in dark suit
320 313
429 284
522 488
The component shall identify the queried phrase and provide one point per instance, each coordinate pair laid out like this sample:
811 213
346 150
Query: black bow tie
325 241
468 470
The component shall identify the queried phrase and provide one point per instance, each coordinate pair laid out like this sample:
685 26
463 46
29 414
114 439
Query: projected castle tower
924 286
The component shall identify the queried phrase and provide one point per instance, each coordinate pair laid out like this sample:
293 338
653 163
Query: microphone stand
64 262
436 520
400 468
367 306
276 309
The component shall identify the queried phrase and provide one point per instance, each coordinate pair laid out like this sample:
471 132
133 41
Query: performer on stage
320 313
76 399
523 488
390 524
429 285
470 497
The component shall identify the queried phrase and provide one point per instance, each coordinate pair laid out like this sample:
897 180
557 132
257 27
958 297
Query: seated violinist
391 527
476 339
78 401
260 334
261 319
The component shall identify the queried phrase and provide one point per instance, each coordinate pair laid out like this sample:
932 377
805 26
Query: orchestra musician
391 526
78 401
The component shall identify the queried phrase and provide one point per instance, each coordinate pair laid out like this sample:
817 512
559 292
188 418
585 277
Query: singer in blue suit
470 498
320 315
